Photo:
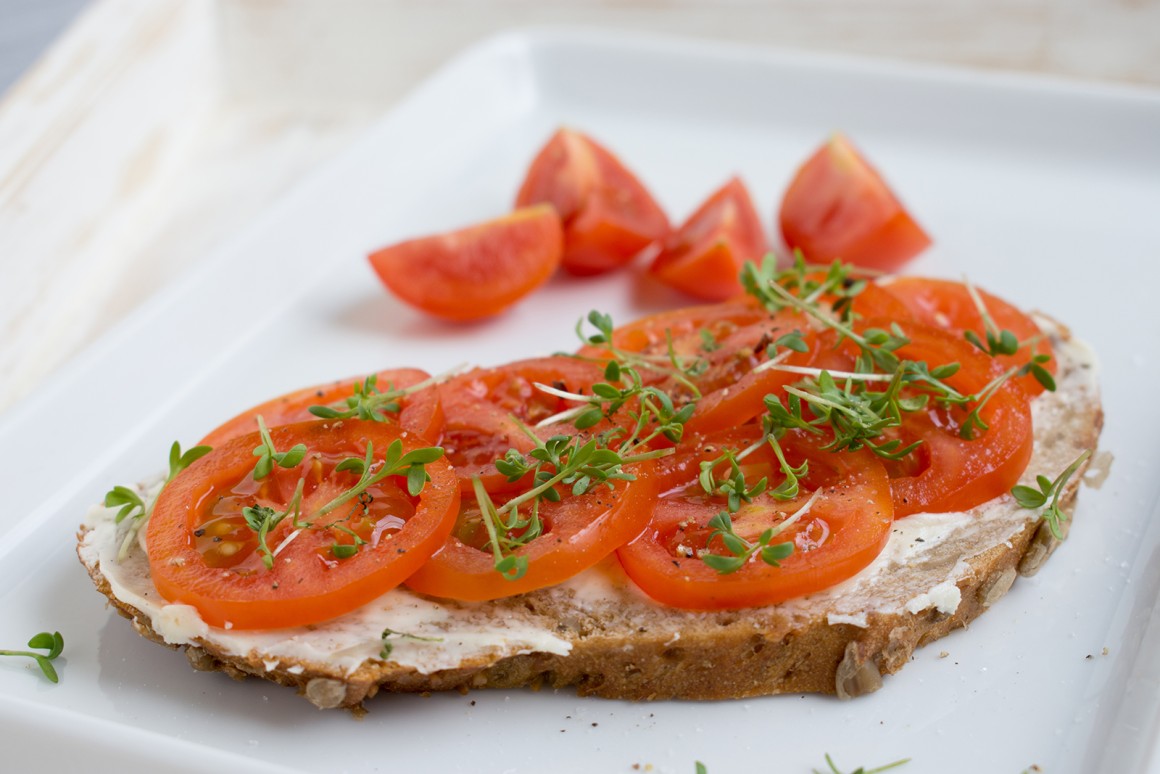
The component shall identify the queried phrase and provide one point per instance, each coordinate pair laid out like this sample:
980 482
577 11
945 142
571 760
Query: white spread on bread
933 547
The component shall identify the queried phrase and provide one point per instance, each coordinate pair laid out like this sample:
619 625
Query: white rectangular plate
1045 193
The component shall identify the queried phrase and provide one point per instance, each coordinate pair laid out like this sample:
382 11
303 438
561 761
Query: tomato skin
421 413
478 271
838 207
300 589
704 256
479 406
580 531
608 215
948 305
842 533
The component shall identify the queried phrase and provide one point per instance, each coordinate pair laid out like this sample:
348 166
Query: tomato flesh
578 532
420 412
704 256
948 305
478 271
842 531
608 215
837 207
202 553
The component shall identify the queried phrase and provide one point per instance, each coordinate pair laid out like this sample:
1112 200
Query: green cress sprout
367 402
389 634
52 643
268 456
263 519
861 769
1004 342
133 506
1029 497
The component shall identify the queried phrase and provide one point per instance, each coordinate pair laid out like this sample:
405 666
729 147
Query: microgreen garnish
709 342
741 549
368 402
1004 342
1029 497
53 643
268 456
861 769
670 364
263 519
133 505
389 634
574 461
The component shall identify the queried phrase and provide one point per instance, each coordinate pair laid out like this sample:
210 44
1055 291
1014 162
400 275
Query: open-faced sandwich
785 492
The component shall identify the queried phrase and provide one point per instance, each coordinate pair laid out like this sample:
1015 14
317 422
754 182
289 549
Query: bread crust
647 653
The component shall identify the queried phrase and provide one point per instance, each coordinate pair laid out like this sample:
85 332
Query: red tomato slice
420 412
948 305
578 532
951 473
608 215
838 207
479 407
843 530
202 553
478 271
704 257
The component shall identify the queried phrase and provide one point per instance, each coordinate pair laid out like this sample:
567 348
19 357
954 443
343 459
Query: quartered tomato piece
608 215
479 407
843 517
578 532
419 412
704 256
839 207
478 271
948 305
202 551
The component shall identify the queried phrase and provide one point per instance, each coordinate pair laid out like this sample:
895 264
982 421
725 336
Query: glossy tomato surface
419 412
478 271
837 207
578 532
203 553
608 215
703 258
845 519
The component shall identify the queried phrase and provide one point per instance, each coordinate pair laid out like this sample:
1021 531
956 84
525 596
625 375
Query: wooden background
153 130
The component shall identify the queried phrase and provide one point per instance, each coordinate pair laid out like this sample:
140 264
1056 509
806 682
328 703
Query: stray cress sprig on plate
133 506
50 642
1029 497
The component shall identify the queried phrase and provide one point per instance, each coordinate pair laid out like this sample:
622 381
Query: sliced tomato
420 412
578 532
842 531
478 271
608 215
948 305
481 409
203 553
838 207
950 473
704 256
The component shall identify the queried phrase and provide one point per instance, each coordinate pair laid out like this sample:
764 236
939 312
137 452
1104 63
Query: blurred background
136 135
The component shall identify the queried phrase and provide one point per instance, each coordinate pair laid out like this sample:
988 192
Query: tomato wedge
608 215
419 412
845 526
948 305
578 532
203 553
838 207
479 407
478 271
704 256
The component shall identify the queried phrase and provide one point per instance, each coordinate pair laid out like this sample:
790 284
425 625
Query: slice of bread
599 633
